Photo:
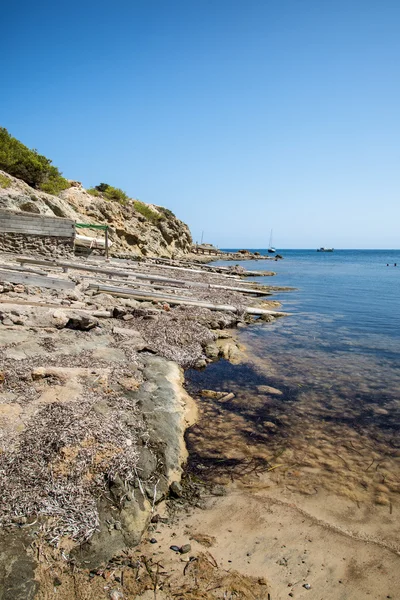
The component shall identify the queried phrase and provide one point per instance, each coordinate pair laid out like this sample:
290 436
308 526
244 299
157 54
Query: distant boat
325 249
271 249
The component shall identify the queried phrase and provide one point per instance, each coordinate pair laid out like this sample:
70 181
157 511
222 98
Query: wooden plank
139 293
138 285
24 269
35 280
128 293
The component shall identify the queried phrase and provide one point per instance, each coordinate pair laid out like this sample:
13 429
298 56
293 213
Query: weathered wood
35 280
128 293
23 269
139 293
137 275
138 285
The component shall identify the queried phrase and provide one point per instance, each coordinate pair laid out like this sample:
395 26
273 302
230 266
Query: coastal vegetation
30 166
4 181
109 192
146 211
114 194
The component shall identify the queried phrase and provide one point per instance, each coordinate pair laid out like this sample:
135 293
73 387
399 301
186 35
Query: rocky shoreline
93 413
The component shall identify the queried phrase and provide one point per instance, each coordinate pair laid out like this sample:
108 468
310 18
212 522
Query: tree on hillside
30 166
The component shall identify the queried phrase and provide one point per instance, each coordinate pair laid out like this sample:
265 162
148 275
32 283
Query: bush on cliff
30 166
146 211
4 181
108 192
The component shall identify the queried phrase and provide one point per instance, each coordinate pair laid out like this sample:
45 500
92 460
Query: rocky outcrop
130 231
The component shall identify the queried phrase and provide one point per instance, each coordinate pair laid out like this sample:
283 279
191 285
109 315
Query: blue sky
238 115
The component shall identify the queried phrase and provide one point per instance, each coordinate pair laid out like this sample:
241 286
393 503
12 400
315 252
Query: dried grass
62 463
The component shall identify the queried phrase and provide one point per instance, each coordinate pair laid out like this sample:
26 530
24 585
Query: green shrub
166 212
146 211
93 192
116 194
102 187
30 166
108 192
4 181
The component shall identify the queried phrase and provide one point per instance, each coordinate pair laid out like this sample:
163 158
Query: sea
320 387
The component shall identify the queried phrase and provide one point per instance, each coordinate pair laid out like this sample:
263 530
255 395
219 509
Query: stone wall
26 233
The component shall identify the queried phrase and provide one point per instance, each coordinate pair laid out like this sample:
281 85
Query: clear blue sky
238 115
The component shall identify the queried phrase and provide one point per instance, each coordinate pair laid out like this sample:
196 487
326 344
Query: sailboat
271 249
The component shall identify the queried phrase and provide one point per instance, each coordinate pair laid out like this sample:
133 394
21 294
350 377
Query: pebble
185 548
153 541
176 489
307 586
175 548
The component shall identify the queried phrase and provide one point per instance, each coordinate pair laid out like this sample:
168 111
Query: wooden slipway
135 275
137 295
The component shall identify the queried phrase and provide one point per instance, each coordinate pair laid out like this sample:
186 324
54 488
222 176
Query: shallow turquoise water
336 359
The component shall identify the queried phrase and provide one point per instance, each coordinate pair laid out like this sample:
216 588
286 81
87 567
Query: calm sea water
336 360
350 298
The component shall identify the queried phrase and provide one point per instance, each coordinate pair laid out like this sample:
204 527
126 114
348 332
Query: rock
230 351
176 489
153 541
222 334
228 397
213 394
19 289
60 319
211 350
269 425
200 363
267 389
175 548
78 304
185 548
103 314
81 322
267 318
128 317
73 295
105 301
38 373
218 490
18 319
307 586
